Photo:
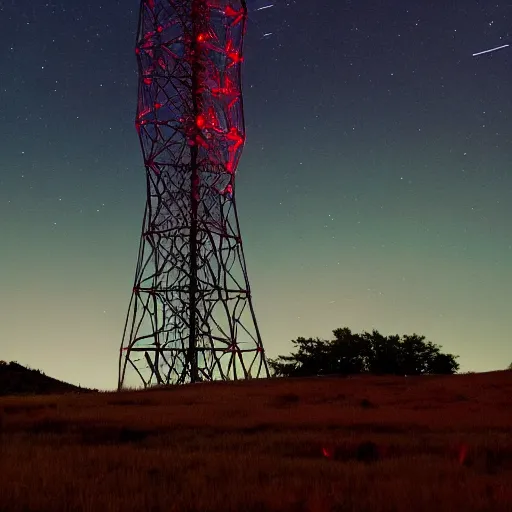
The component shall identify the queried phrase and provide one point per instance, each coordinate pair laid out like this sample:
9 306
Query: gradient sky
373 192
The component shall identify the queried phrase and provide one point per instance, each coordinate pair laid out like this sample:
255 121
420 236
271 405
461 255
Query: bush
350 353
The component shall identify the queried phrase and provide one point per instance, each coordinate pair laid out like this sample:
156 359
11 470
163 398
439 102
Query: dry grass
376 444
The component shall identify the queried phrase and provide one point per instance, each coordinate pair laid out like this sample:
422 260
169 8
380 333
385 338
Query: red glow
229 89
232 103
201 142
237 15
232 54
235 57
200 121
143 113
148 81
230 11
159 29
158 105
235 136
327 452
220 91
212 118
201 38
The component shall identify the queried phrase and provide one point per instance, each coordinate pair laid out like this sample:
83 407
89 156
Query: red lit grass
377 444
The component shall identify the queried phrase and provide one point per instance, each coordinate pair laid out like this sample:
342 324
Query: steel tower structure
191 316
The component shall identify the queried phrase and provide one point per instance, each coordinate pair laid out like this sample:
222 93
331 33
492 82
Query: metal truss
191 316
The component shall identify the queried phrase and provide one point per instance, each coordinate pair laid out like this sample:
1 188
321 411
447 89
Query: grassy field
378 444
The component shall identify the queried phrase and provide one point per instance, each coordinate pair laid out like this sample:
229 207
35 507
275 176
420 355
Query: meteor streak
264 7
491 50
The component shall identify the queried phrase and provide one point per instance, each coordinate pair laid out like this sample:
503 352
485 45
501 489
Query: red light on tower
235 137
237 15
230 12
235 57
200 121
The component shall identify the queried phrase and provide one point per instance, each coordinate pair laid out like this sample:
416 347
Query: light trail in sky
264 7
491 50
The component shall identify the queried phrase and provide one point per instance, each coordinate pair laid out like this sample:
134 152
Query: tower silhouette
191 316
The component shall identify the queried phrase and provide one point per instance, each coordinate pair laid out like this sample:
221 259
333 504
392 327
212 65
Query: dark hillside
15 379
355 444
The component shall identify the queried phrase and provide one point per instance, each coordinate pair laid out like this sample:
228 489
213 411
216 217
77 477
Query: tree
350 353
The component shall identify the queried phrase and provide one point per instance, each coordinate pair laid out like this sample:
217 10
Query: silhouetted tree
350 353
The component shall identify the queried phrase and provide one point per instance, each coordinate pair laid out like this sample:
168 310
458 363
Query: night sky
373 192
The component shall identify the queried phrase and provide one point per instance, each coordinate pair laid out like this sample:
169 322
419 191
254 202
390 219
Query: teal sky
373 191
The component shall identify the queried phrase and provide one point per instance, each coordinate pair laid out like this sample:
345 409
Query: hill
16 379
356 444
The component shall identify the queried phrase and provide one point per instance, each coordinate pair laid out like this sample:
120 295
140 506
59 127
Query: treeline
351 353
